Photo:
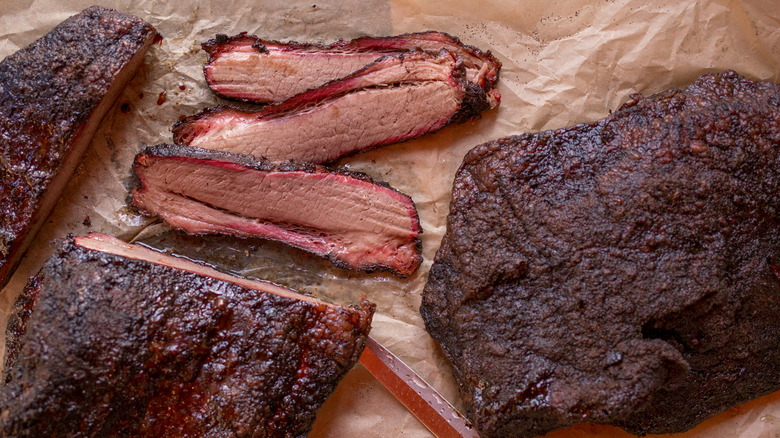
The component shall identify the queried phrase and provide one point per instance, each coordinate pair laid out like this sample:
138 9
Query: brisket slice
125 341
343 216
622 271
391 100
247 68
53 94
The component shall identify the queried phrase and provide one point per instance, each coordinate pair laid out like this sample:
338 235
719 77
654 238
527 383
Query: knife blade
424 402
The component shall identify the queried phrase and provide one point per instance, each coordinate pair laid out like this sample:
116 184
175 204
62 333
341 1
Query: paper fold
563 64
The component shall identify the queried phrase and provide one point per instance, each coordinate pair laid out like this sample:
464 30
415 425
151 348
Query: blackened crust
48 91
222 43
123 347
170 150
622 271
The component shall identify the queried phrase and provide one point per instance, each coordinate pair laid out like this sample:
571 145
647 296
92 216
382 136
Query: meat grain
622 271
343 216
394 99
123 341
53 94
248 68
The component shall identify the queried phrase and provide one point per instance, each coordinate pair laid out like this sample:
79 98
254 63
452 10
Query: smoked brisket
393 99
623 271
343 216
123 341
248 68
53 94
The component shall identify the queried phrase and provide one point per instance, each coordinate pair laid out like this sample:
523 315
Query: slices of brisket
622 271
248 68
53 94
343 216
124 341
391 100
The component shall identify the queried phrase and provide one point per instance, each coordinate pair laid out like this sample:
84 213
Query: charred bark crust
47 92
263 164
622 271
124 347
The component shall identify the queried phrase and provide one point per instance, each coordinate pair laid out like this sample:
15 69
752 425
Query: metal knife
433 411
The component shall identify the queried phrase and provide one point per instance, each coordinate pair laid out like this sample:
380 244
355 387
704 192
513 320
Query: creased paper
564 63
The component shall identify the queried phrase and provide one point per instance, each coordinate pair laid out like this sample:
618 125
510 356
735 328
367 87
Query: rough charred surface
50 91
622 271
124 347
343 216
393 99
17 323
248 68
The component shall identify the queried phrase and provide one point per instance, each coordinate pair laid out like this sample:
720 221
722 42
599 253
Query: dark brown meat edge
117 346
53 94
623 271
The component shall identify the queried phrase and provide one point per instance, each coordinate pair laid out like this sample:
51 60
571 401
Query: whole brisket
623 271
112 339
53 95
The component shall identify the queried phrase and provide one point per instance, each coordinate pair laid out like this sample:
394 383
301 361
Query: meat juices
53 94
112 339
248 68
394 99
621 271
343 216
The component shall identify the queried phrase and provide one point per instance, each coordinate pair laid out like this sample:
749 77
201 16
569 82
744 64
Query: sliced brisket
345 217
124 341
247 68
622 271
53 95
393 99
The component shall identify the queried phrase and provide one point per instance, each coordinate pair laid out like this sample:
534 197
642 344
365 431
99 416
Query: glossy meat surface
623 271
126 345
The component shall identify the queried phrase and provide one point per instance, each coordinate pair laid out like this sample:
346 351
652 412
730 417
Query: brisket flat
343 216
623 271
391 100
247 68
53 94
124 341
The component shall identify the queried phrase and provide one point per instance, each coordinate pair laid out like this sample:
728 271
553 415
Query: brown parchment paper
565 62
